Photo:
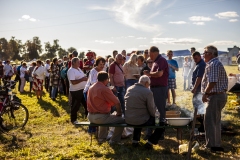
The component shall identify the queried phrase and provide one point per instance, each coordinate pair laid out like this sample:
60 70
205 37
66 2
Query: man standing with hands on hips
214 87
159 82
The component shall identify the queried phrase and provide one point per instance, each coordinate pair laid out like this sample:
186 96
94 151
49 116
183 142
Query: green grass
50 135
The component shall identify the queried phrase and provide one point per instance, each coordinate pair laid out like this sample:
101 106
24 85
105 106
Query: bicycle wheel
14 116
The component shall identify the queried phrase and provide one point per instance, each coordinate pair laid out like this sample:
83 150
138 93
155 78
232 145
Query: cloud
104 42
130 36
143 46
200 18
125 13
32 19
141 38
27 18
223 43
233 20
181 41
178 22
226 15
199 23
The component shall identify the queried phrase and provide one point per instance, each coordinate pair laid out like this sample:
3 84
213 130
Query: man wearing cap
88 65
159 82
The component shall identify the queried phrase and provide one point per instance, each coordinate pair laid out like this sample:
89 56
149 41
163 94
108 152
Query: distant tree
81 55
62 52
16 49
71 49
33 49
4 49
43 57
51 50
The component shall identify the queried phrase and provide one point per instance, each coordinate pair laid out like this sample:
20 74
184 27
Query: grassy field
50 135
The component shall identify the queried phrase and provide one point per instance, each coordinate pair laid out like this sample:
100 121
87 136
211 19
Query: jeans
31 84
77 100
47 79
154 137
120 94
130 82
160 96
54 91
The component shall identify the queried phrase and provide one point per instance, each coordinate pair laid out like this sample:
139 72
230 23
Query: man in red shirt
99 102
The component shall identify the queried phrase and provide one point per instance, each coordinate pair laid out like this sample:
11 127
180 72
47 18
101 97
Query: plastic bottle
157 116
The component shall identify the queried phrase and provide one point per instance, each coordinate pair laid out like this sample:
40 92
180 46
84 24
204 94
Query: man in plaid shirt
214 87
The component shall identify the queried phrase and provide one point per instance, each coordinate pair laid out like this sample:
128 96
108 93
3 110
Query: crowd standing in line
140 83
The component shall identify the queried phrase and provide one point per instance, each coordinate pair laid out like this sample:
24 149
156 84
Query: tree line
15 49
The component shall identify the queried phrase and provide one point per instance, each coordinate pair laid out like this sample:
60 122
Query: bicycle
13 114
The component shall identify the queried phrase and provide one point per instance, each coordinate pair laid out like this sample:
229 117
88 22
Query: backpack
64 73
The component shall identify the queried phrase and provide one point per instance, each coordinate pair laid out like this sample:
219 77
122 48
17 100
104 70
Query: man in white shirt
8 70
77 81
47 70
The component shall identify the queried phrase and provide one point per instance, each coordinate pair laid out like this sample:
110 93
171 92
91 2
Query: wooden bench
178 128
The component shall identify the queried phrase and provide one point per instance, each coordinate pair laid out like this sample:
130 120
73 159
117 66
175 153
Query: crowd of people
134 85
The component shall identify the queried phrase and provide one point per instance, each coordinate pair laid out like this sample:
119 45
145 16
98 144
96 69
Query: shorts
172 84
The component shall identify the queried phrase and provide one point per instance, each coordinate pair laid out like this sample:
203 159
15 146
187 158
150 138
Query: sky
106 25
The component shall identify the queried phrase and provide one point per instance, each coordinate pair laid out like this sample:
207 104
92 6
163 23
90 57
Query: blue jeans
130 82
120 94
54 91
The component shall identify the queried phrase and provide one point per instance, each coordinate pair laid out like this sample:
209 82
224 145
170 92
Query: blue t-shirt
172 74
198 72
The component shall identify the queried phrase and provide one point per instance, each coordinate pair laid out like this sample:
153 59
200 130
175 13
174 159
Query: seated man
140 110
99 102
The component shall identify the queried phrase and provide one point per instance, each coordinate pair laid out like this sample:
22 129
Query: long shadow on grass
63 103
126 151
13 141
48 106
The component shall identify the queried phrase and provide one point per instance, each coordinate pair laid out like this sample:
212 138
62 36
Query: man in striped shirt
214 87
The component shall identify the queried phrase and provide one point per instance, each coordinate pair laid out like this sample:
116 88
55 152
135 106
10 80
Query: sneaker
148 146
74 122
